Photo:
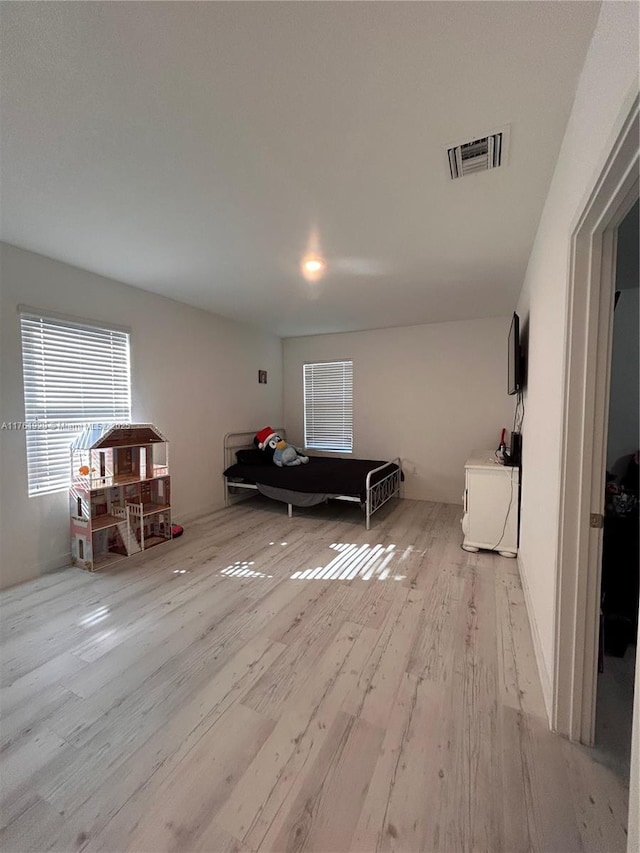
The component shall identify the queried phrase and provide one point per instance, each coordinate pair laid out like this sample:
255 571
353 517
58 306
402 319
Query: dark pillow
253 457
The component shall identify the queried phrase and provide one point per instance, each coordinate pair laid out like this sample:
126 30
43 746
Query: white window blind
74 374
328 406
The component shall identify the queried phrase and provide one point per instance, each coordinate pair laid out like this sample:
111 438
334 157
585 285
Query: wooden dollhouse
120 495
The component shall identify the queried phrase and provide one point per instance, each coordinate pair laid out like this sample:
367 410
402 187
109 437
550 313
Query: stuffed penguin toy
283 454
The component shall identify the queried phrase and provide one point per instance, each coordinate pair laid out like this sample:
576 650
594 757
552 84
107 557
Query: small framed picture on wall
262 377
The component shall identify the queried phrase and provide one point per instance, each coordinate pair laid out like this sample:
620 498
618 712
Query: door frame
587 369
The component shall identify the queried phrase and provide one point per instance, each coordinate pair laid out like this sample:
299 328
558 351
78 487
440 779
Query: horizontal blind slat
74 374
328 405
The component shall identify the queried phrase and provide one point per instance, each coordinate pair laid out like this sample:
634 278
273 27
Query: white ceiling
192 150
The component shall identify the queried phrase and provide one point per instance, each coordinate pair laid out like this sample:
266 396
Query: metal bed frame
377 494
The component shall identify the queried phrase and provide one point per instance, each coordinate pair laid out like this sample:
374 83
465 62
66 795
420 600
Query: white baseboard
36 570
53 564
543 673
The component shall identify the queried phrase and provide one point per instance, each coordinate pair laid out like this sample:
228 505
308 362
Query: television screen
514 378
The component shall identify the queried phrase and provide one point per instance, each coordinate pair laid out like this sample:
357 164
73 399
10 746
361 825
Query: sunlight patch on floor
240 569
94 617
365 561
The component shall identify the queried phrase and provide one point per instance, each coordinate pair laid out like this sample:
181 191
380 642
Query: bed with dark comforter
369 482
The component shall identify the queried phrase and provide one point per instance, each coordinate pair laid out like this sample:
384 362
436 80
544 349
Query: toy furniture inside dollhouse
120 496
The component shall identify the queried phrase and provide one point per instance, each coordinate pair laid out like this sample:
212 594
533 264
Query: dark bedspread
320 475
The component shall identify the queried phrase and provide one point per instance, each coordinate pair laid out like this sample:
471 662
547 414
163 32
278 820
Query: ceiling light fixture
313 266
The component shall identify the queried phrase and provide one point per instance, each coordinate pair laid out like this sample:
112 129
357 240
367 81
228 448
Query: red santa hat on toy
264 435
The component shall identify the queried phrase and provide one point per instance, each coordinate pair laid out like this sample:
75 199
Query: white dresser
491 498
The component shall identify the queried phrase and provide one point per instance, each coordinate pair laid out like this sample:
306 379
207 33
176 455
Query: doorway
583 459
620 550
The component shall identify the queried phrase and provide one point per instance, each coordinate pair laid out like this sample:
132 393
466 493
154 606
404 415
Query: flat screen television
514 371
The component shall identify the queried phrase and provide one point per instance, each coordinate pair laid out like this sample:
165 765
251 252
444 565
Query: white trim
583 455
543 670
53 564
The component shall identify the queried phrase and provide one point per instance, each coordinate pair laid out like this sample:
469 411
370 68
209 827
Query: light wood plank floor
267 684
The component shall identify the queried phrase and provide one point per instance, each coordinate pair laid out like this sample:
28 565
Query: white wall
194 375
607 85
429 394
605 93
624 401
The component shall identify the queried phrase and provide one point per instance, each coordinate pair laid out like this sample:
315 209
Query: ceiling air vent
487 152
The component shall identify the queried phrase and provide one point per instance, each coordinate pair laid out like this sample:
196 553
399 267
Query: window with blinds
328 406
74 374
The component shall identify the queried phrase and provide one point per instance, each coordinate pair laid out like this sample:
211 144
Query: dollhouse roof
97 436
